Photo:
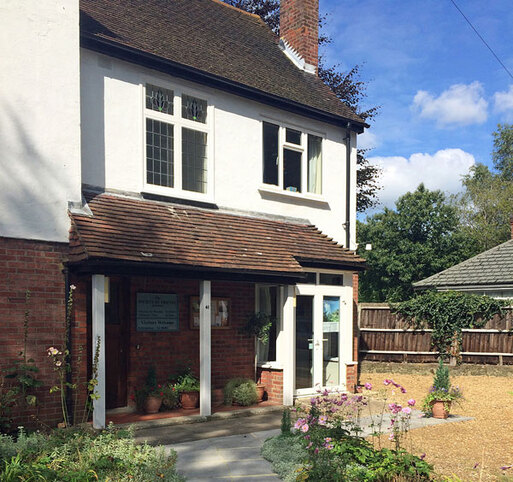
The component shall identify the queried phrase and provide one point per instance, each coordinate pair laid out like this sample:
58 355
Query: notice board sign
157 312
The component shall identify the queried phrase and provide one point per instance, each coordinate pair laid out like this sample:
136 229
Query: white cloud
504 103
442 170
460 104
367 140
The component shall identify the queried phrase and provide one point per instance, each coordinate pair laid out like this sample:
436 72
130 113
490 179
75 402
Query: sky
441 91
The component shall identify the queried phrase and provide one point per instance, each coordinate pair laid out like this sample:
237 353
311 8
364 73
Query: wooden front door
117 315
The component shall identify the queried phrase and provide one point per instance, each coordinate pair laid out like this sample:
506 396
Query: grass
286 454
472 450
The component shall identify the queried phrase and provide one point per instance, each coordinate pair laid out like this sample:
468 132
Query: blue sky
441 90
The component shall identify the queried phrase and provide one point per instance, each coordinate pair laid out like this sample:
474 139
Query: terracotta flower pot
260 392
189 400
152 404
439 409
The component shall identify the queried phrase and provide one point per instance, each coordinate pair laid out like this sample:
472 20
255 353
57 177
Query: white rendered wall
113 145
39 117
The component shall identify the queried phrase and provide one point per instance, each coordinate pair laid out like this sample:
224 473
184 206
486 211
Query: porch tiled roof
131 229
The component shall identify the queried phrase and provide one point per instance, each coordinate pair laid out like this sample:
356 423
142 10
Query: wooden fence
383 337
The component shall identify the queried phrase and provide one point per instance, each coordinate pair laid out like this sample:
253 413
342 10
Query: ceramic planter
152 404
189 400
260 392
440 409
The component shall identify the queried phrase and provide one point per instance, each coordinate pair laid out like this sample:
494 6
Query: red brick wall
35 266
299 26
273 381
233 354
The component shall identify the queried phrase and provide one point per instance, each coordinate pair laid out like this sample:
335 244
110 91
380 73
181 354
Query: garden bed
472 450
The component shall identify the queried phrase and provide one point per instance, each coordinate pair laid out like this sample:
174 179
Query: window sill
271 365
170 192
300 196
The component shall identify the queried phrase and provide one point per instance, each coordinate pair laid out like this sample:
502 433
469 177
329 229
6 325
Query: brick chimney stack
299 28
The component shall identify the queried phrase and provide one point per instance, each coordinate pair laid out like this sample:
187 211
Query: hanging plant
447 313
259 324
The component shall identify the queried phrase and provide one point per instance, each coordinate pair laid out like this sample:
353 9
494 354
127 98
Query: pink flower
391 437
323 419
299 423
368 386
423 456
304 428
387 382
58 363
406 410
403 390
411 402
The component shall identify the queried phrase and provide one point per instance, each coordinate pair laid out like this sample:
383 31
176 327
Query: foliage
421 237
347 86
170 397
285 422
442 379
245 394
8 396
259 324
447 313
287 454
188 383
441 389
231 385
332 450
486 205
502 154
83 455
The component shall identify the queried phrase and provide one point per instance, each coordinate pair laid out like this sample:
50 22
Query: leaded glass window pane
194 160
194 109
159 99
159 153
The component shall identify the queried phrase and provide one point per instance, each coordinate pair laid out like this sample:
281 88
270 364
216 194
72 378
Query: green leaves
447 313
421 237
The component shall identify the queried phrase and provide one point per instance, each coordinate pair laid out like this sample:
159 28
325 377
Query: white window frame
275 364
303 149
178 122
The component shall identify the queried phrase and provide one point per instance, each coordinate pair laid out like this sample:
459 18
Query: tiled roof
493 267
209 36
131 229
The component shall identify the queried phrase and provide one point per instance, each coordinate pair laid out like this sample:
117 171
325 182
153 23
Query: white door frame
344 293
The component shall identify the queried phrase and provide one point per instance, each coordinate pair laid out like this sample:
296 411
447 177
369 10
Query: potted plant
188 387
149 398
259 325
170 397
441 395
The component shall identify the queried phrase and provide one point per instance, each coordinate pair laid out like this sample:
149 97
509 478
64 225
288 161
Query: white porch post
289 355
346 335
98 332
205 348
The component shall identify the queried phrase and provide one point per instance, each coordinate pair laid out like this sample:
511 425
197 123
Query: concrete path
236 457
228 450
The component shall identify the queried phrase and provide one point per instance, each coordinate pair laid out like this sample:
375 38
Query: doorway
319 338
117 318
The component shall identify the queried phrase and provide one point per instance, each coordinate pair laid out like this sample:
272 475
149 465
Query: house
488 273
181 168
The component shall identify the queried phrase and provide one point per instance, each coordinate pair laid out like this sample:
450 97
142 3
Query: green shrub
441 380
83 455
286 454
285 422
231 386
245 394
171 396
188 383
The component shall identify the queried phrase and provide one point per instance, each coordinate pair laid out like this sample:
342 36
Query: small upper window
331 279
159 99
293 136
194 109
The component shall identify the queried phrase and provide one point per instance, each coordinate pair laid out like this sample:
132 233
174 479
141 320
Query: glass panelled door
318 337
304 342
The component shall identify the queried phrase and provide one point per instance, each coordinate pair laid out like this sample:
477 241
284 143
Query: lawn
455 449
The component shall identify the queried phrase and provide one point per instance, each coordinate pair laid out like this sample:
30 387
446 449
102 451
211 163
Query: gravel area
456 448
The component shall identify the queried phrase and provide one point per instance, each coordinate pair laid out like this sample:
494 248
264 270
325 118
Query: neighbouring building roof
493 267
142 231
210 37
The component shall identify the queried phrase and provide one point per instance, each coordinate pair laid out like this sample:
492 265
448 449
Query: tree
502 154
347 86
485 207
421 237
